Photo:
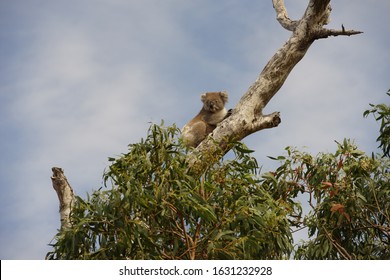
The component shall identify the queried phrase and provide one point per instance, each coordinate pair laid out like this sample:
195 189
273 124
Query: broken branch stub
65 195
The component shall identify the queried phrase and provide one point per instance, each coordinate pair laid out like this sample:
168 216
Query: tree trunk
248 117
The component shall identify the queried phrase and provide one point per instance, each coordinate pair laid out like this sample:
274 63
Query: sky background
82 79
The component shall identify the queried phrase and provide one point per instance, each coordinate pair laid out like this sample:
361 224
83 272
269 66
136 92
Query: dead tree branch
65 196
248 117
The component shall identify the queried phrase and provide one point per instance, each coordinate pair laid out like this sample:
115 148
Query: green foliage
348 192
152 208
381 113
349 200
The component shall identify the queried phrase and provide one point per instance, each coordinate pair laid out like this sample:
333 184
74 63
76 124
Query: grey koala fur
212 112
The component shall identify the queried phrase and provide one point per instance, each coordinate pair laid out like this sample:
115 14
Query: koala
212 112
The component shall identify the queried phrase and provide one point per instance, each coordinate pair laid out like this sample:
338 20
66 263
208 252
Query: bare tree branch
247 117
325 33
282 16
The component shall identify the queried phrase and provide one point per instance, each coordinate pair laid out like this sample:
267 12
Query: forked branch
247 117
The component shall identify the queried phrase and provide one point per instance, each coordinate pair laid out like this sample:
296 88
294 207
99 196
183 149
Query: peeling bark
247 117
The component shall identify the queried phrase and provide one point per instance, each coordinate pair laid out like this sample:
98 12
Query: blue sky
82 79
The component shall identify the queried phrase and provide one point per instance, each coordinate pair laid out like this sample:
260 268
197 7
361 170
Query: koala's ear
224 96
203 97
